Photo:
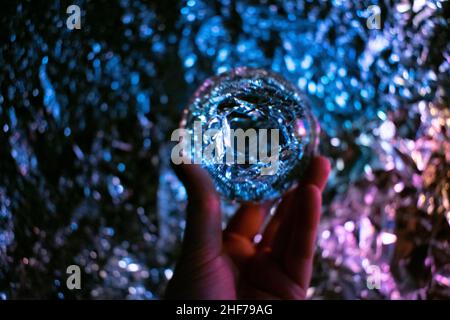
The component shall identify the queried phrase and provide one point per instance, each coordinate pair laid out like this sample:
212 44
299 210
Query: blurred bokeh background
86 117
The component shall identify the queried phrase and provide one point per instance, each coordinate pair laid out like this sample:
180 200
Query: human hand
216 264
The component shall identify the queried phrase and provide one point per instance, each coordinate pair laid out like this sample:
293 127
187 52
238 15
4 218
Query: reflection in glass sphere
252 131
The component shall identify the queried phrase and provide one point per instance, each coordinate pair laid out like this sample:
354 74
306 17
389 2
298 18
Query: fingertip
318 172
196 181
323 163
178 169
186 171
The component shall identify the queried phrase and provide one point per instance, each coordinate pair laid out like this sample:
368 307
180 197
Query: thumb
203 233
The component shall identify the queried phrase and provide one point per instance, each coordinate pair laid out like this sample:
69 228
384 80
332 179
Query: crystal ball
252 131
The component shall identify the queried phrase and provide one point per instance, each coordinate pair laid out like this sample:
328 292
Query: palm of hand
229 264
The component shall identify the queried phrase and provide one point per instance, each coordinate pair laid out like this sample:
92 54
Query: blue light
190 61
135 78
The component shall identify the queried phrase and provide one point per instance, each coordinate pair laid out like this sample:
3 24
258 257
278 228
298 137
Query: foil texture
86 117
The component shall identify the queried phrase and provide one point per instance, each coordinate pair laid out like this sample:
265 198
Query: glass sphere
252 131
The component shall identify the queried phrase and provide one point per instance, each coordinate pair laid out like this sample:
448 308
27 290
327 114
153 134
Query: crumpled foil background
86 116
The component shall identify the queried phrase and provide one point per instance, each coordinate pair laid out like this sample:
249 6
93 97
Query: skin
216 264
